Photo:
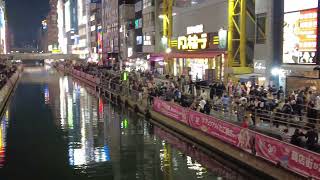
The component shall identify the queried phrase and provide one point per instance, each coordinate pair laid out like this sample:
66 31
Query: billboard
300 33
298 5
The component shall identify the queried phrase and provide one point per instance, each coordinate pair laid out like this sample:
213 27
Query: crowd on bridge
294 113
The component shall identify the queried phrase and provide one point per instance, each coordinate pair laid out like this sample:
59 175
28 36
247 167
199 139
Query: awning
202 54
248 76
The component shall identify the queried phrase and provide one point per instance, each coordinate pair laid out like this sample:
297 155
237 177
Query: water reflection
79 118
104 141
3 132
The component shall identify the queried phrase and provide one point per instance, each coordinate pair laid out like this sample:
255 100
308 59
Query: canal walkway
172 116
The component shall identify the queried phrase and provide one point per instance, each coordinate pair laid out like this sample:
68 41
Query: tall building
110 26
52 25
3 25
42 44
62 39
95 31
127 32
82 48
10 38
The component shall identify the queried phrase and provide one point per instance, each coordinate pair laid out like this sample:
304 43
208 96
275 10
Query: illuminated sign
203 41
193 42
125 76
260 66
298 5
130 51
67 16
195 29
44 25
124 124
300 37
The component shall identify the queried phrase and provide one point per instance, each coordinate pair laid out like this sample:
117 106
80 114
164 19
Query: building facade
110 26
52 27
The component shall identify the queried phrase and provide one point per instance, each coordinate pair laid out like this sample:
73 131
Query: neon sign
195 29
193 42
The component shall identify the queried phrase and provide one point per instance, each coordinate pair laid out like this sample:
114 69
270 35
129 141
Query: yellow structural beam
243 33
170 21
164 21
230 32
237 33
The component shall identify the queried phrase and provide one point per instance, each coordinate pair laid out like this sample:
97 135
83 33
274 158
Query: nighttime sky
25 16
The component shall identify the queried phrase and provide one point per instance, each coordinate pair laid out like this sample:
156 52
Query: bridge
37 56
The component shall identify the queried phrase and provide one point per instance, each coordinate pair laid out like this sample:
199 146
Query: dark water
56 128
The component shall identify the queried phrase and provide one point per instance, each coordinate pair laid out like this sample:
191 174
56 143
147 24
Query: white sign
195 29
130 51
260 66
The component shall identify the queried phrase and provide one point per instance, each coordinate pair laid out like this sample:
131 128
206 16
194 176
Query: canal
56 128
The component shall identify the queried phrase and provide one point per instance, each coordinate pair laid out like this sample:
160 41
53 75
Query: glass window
147 3
148 19
261 28
139 40
138 23
148 39
138 6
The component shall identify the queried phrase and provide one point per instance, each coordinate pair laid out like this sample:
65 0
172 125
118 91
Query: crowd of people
247 101
6 72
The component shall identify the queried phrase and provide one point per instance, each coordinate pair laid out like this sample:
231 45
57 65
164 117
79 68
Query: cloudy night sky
25 16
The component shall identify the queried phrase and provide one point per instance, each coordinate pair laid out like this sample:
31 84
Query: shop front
200 56
198 66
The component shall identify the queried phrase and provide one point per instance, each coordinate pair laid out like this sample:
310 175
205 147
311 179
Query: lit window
148 39
147 3
139 40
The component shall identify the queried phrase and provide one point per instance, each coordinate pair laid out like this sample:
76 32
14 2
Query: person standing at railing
177 95
207 108
312 138
311 113
287 109
280 93
202 104
285 136
225 102
203 94
296 138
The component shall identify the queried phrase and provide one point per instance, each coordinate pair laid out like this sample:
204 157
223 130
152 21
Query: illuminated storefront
198 54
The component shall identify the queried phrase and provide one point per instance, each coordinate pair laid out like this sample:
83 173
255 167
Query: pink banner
171 110
304 162
288 156
230 133
271 149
